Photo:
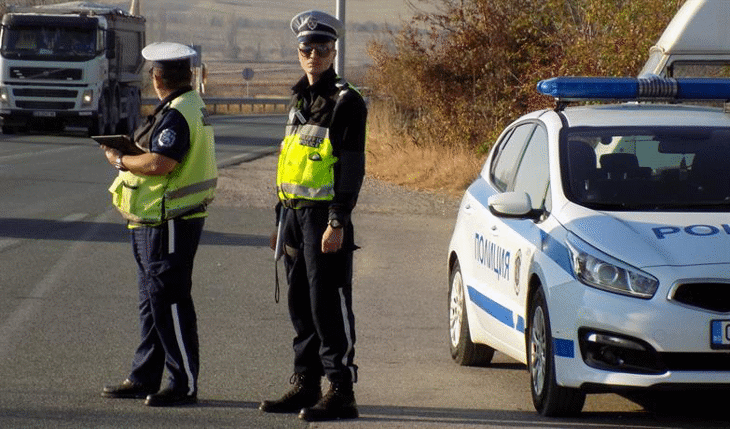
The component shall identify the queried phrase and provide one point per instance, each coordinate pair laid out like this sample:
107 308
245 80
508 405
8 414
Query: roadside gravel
251 185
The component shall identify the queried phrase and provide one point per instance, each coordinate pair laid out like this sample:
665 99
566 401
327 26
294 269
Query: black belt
300 204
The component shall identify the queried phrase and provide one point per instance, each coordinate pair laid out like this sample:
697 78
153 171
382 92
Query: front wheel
549 399
463 350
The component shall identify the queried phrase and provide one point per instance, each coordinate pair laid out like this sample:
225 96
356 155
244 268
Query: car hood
646 239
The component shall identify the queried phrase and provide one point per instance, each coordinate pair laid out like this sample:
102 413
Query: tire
100 123
549 399
463 351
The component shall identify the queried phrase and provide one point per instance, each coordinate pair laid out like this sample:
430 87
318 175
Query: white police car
595 244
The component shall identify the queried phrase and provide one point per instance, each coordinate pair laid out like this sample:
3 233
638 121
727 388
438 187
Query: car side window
532 174
508 156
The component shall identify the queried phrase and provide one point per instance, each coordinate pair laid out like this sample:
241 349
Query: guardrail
240 102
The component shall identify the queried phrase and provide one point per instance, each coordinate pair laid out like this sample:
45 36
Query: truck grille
45 73
46 93
45 105
708 296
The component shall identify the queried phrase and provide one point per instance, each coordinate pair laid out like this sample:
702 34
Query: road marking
26 310
74 217
6 243
42 152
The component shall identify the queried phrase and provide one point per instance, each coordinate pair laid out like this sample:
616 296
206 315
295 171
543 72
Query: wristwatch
335 224
118 163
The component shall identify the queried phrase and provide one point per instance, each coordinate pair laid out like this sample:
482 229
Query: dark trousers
169 333
320 296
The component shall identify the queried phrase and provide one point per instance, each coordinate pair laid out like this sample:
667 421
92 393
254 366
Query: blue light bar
630 88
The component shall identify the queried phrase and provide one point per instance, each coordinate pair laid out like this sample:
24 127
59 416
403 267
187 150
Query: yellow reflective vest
305 169
306 164
187 189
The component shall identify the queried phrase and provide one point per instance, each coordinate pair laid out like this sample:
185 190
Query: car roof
646 114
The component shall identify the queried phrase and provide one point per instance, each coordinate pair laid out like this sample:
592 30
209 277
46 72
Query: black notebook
121 142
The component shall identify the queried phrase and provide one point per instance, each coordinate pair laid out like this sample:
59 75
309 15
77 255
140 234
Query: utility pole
340 45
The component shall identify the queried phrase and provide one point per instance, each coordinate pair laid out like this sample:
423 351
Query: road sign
247 73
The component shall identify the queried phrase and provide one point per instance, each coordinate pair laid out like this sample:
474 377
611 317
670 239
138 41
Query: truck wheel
101 121
549 399
463 350
114 111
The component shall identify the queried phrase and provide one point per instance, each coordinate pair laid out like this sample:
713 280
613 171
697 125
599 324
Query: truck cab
71 65
696 43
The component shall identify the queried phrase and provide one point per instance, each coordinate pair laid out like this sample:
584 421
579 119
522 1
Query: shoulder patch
166 138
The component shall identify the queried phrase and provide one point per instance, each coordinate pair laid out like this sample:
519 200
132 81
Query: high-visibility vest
187 189
306 163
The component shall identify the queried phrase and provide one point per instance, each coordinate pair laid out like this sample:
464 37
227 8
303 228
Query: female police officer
320 171
163 194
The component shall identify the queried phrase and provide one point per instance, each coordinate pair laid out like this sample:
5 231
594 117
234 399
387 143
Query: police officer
163 193
320 171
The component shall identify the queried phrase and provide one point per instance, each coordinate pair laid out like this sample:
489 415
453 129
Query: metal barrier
240 102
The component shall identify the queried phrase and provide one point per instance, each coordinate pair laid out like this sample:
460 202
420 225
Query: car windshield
48 43
648 169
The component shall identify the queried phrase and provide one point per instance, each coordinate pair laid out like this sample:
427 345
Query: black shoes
305 393
338 403
164 398
170 398
128 389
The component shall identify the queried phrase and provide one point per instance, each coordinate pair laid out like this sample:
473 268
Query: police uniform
319 175
166 215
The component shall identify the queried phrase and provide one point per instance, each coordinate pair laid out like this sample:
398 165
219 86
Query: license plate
720 334
44 114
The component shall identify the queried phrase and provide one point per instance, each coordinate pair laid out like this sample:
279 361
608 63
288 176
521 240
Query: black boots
305 393
338 403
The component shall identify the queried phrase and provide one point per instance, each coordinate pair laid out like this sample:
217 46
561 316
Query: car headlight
4 97
594 268
87 97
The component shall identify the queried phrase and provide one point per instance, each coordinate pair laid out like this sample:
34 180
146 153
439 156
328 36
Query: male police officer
320 171
163 194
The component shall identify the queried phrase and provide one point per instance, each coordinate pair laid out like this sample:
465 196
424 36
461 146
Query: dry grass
394 159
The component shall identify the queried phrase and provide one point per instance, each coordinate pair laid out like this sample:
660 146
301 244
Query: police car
595 244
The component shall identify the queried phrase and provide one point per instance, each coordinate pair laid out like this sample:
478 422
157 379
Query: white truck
696 43
71 65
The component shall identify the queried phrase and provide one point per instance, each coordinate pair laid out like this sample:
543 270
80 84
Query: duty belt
300 204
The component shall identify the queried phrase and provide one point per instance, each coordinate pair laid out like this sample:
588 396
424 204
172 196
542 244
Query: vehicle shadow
391 416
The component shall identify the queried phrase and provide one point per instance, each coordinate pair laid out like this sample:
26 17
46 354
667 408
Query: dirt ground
251 185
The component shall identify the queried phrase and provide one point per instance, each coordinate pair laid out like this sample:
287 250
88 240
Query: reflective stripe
192 189
170 236
347 358
306 192
183 350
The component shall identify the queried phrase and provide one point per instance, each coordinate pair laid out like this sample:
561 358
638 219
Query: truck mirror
111 45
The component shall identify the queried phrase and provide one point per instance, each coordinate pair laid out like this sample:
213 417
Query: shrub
456 76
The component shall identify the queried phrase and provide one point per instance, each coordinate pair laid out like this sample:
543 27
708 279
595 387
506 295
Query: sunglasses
322 50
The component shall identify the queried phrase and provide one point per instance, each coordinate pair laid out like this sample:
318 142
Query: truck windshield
648 168
48 43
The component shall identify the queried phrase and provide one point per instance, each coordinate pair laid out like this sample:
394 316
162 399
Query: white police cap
168 54
316 26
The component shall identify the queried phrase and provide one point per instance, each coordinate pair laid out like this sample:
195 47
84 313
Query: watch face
334 223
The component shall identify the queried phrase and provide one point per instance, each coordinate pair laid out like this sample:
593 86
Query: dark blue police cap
316 26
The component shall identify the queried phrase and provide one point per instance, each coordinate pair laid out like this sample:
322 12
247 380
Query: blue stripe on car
494 309
563 348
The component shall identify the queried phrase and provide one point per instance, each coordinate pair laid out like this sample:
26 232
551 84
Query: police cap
316 26
169 54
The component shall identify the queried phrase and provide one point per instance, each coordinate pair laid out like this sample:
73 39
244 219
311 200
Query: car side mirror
513 205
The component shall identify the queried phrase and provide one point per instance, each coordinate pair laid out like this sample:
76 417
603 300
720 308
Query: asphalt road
68 320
